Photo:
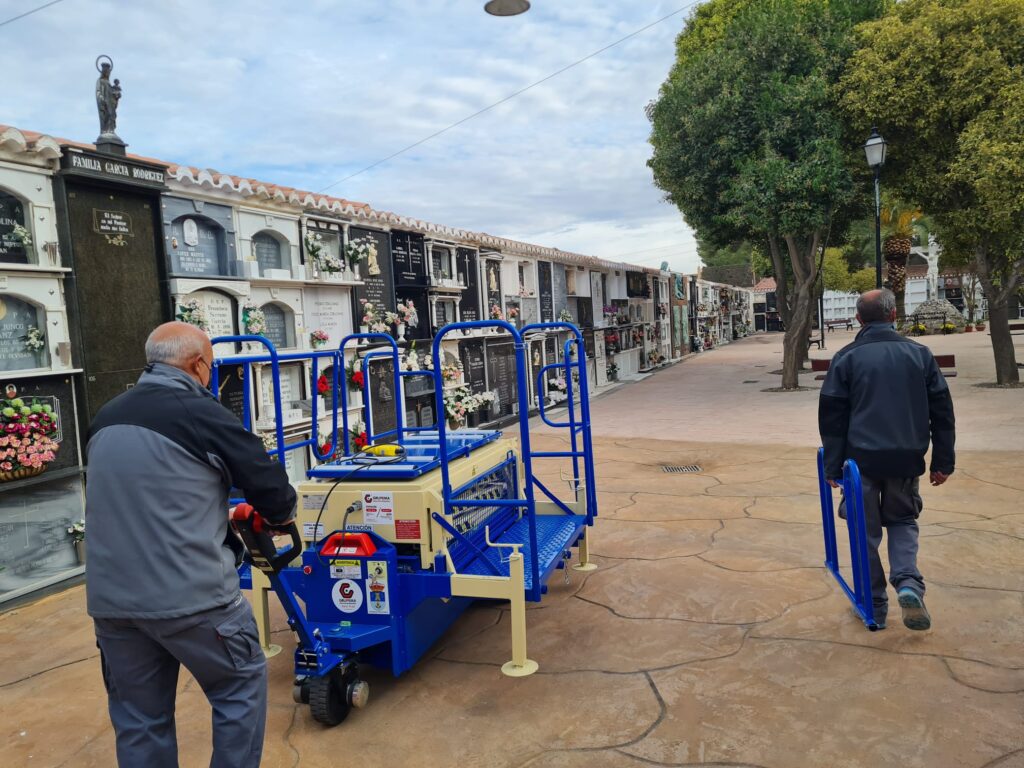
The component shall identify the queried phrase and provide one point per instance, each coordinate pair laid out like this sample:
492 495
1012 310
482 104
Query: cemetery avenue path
709 635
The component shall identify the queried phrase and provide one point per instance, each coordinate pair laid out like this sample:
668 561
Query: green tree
748 142
942 79
835 272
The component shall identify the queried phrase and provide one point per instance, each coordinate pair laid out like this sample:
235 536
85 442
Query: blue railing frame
569 362
860 594
522 392
399 431
275 358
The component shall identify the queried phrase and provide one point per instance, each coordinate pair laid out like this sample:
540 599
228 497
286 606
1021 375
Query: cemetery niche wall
111 236
199 238
268 246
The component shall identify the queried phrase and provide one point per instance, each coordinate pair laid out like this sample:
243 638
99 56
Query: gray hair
876 306
174 349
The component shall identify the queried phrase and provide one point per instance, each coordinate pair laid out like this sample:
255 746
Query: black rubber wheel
328 702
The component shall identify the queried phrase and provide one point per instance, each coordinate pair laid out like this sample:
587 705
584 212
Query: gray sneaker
915 615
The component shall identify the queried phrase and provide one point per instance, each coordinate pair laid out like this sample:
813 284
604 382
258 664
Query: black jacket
162 458
883 397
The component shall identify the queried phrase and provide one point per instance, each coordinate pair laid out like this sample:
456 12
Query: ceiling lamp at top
507 7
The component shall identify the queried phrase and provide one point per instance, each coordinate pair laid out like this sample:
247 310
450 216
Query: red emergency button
307 569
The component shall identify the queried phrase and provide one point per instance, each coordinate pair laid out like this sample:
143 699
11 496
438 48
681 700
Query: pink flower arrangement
26 435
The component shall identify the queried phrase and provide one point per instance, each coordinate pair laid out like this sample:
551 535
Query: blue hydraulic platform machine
393 542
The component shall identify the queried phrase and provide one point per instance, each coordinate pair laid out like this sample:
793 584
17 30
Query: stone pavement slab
710 634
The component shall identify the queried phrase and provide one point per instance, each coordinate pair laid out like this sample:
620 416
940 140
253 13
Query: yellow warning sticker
346 569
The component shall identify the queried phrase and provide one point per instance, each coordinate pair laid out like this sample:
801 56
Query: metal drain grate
673 470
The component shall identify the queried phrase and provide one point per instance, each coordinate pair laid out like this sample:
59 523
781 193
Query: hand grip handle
258 538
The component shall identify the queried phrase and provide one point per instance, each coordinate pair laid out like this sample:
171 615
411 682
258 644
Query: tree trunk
999 315
805 273
1002 342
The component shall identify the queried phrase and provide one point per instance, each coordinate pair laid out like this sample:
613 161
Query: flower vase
80 551
401 331
364 329
355 271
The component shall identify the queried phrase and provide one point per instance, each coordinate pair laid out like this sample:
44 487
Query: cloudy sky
306 94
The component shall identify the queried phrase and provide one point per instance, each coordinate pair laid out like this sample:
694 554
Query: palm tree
901 223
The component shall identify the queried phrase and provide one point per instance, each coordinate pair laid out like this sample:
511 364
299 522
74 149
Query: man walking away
161 583
883 398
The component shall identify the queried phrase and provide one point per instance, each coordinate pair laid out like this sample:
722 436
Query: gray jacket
162 458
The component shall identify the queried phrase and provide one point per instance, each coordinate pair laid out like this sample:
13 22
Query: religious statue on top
107 96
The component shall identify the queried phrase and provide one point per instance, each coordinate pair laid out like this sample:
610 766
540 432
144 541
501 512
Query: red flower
323 386
326 449
357 379
360 440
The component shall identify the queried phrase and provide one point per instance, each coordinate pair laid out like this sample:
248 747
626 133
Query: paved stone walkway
710 634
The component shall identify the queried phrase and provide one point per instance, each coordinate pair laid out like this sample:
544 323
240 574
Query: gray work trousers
893 503
140 660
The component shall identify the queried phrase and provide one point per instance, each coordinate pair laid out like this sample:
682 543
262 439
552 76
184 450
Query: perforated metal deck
555 534
423 453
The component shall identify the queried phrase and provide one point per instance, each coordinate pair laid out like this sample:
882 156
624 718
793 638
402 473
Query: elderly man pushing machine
883 399
161 583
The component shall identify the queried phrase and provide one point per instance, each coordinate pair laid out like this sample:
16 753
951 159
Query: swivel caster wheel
334 695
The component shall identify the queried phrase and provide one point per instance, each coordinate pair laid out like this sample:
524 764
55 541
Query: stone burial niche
199 238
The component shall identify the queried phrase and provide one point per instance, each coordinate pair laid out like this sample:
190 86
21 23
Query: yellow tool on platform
387 449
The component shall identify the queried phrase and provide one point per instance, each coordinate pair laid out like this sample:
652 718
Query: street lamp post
874 149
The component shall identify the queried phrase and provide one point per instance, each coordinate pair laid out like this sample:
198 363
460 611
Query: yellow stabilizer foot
271 650
585 567
512 669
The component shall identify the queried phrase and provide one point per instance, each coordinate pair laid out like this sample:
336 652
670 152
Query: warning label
313 501
347 596
309 533
378 507
346 569
377 587
407 529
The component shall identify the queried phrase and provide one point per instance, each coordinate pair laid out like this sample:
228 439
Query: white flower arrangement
323 260
77 530
254 320
408 314
361 249
22 234
565 316
35 339
192 314
373 318
460 402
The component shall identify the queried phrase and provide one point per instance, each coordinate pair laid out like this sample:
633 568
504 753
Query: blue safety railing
573 357
860 594
526 504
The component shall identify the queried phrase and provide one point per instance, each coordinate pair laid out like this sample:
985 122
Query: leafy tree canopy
747 139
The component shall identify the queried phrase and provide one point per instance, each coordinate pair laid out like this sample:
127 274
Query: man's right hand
938 478
835 483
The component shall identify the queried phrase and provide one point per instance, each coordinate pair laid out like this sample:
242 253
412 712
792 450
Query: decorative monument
107 97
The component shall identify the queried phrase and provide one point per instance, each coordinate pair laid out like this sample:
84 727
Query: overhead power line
511 96
29 13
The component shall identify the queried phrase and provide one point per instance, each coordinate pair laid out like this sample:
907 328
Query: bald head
182 345
877 306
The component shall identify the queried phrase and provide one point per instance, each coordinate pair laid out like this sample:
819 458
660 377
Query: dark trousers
141 659
893 503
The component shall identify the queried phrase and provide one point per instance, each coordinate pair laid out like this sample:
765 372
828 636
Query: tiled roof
312 202
765 285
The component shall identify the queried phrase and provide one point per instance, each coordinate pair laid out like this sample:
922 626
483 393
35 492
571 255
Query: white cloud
307 94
